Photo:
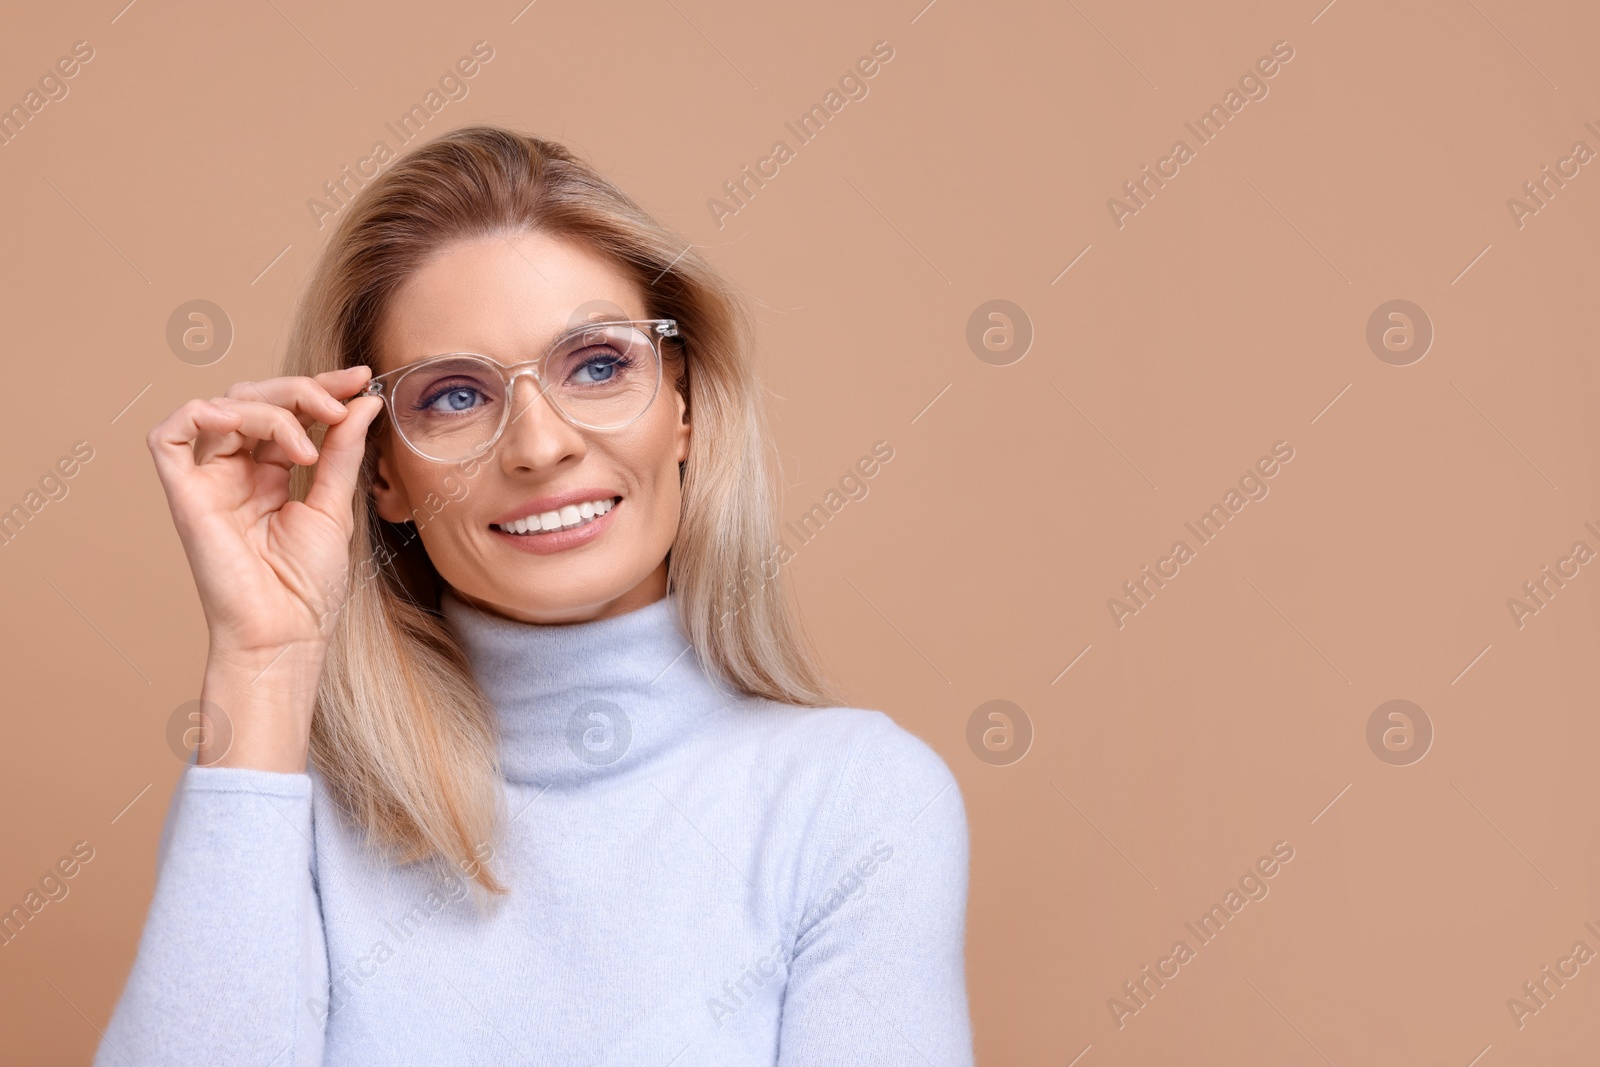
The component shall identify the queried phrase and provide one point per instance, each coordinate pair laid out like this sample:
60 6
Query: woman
513 753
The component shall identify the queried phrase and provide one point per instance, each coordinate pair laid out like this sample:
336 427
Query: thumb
343 447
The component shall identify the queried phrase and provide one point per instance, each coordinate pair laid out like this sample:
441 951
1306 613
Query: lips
564 537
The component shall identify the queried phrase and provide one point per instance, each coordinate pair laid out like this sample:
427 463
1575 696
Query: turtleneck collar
581 703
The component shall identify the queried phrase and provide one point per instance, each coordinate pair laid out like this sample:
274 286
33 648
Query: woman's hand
271 572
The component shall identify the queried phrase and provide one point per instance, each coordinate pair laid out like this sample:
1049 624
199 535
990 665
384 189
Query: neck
581 703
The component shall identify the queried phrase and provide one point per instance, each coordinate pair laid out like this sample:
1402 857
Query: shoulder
850 730
889 832
852 752
887 764
877 780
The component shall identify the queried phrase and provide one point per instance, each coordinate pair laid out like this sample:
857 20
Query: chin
555 590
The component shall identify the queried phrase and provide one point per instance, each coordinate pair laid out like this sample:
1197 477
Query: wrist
291 668
259 704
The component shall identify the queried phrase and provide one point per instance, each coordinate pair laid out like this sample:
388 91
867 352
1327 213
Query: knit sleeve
878 972
232 965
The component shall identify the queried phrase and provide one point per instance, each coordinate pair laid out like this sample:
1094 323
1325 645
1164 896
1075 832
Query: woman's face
506 298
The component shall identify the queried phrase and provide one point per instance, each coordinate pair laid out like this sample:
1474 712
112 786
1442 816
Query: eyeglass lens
602 378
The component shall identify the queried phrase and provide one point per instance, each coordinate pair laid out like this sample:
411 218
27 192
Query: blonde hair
401 733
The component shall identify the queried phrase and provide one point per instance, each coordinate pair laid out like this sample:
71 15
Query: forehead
506 296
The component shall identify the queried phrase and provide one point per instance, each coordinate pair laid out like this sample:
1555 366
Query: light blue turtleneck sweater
697 878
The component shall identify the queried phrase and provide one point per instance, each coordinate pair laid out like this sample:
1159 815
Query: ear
683 428
388 491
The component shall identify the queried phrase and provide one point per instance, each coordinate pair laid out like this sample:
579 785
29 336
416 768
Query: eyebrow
487 355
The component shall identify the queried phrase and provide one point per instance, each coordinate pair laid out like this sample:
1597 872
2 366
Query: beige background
1227 715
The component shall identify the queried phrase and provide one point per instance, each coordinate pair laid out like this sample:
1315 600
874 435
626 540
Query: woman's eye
455 398
599 369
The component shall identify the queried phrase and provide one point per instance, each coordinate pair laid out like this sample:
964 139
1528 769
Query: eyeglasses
454 407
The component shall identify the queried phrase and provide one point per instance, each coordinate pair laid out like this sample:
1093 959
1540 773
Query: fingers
172 440
342 449
267 418
270 453
345 380
257 421
314 399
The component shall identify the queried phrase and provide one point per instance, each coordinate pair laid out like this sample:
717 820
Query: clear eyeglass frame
384 385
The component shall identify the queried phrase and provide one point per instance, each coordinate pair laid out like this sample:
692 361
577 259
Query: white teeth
567 517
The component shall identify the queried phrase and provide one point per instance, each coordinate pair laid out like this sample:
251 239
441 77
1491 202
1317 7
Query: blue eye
598 370
453 398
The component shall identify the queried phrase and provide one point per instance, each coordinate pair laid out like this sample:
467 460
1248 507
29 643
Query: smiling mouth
568 518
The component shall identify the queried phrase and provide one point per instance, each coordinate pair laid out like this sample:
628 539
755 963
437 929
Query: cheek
651 465
436 496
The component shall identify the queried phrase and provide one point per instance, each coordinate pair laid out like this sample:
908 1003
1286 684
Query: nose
536 437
